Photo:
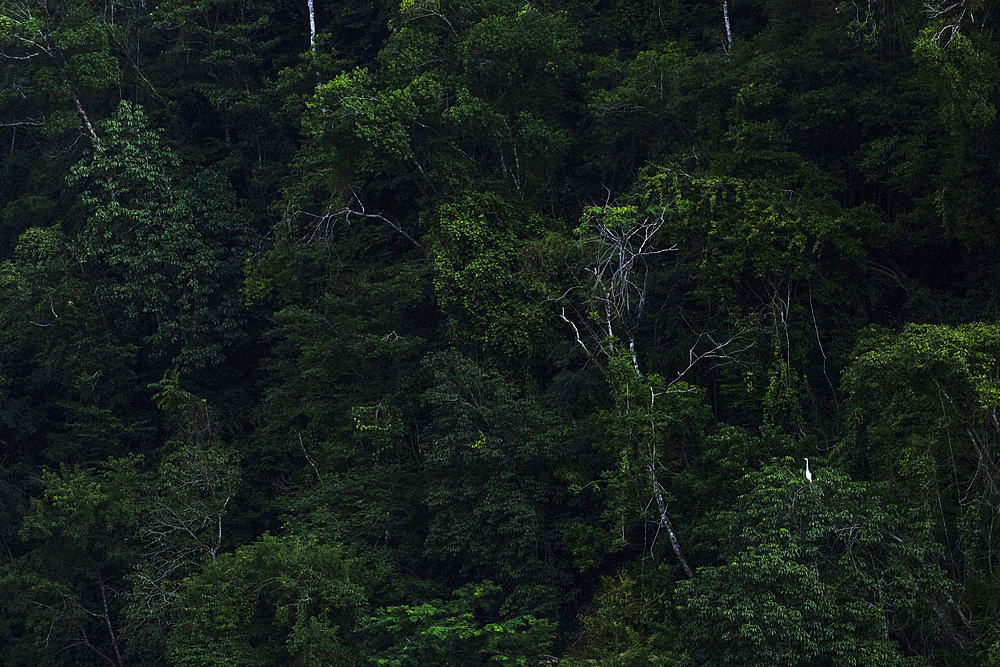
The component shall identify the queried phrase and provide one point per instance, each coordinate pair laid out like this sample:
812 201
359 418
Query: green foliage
459 631
41 291
762 608
279 599
935 388
473 255
943 386
81 531
157 255
964 78
628 622
193 485
460 96
492 499
650 429
814 572
765 270
513 320
71 383
750 232
67 52
79 506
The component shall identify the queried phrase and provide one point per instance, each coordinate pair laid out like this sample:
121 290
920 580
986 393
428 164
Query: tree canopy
415 332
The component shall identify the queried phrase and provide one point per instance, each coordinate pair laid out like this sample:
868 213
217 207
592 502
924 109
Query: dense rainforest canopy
415 332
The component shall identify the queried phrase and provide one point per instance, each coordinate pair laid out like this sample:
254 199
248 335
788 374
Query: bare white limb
27 122
579 341
355 208
309 458
724 350
951 14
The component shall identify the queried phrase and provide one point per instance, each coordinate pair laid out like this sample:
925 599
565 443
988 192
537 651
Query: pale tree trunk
725 16
617 290
312 26
665 523
83 115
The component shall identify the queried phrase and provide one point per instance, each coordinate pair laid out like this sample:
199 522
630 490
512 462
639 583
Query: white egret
809 475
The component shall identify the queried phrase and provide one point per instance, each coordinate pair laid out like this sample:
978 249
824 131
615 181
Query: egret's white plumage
809 475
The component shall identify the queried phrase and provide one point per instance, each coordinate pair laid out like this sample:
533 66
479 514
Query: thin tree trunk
83 115
665 522
312 26
107 616
725 16
86 642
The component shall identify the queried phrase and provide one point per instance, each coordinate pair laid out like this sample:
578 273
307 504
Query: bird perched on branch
809 475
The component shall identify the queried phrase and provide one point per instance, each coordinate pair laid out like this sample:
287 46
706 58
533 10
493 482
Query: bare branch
355 208
952 15
309 458
360 211
27 122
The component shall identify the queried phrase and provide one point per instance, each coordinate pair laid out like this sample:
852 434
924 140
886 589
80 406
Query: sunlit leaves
463 629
